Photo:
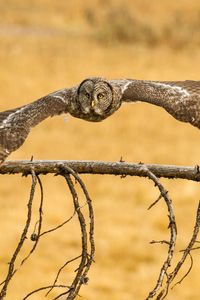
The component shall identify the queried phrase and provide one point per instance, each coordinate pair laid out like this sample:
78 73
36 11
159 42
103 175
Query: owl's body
94 100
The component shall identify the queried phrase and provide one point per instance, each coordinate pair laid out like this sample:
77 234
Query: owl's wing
15 124
189 86
137 90
12 135
180 98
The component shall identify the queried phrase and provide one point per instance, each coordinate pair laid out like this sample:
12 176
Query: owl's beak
93 104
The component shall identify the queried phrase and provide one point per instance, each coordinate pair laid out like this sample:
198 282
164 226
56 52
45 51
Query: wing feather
179 98
15 124
191 86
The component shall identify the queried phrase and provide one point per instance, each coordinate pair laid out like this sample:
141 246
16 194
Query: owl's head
97 99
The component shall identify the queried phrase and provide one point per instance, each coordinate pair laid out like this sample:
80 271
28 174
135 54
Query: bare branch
44 288
59 271
87 255
186 252
91 216
75 284
80 274
11 269
173 232
100 167
35 236
69 169
155 202
59 226
190 268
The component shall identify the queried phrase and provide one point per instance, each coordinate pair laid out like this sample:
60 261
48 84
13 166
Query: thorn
121 160
123 176
84 280
197 169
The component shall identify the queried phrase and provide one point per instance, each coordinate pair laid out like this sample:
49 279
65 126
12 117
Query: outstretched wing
12 133
180 98
15 124
188 86
136 90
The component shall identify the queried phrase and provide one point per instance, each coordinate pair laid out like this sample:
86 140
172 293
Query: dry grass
46 45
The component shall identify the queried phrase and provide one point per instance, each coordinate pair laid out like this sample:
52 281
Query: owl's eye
87 95
100 96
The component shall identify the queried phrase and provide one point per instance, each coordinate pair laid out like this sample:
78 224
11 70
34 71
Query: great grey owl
94 100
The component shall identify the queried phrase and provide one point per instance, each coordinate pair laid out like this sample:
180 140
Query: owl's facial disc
101 98
95 99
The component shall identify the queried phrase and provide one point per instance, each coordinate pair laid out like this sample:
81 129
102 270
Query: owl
99 98
94 100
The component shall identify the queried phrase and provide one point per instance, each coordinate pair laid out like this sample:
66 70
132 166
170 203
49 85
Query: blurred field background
46 45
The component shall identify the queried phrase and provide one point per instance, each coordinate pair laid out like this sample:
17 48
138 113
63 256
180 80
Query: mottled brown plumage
15 124
94 100
179 98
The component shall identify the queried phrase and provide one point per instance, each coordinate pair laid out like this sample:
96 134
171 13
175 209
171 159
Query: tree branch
11 268
100 167
173 234
69 169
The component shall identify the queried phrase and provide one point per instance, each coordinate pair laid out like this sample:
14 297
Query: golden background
47 45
